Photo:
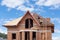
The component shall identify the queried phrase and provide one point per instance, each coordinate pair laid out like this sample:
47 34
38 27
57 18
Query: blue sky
12 9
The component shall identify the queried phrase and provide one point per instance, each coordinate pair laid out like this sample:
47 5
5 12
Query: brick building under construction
31 26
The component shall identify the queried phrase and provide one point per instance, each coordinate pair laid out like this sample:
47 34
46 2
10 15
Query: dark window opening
31 23
14 36
34 36
40 22
28 23
20 35
27 36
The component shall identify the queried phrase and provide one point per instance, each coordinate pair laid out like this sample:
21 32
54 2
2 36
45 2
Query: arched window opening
28 23
31 23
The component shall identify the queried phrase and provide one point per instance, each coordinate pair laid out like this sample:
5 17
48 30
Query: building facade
31 26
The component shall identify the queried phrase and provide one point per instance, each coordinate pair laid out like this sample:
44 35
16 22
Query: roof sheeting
16 21
13 22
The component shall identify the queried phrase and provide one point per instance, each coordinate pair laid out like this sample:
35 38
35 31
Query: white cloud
55 38
57 31
24 8
40 2
55 19
52 3
17 4
3 31
12 3
3 21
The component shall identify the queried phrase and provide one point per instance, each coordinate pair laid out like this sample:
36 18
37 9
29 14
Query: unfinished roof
36 17
16 21
13 22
